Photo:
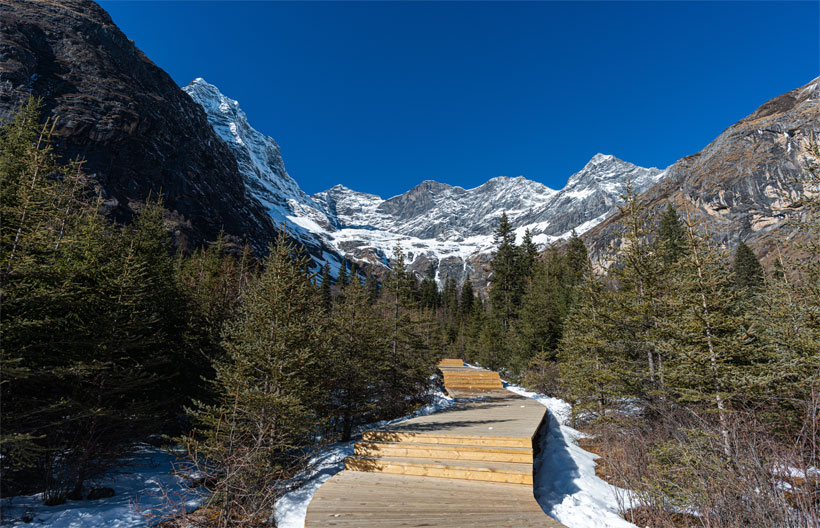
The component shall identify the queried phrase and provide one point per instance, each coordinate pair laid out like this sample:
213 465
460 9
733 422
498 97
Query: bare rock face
139 133
743 185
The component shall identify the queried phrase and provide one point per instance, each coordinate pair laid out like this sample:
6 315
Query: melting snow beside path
566 486
292 507
140 485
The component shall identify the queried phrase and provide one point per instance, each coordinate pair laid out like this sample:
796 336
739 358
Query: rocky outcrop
743 185
138 132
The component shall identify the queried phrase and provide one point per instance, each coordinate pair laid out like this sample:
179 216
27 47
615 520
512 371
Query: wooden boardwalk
468 465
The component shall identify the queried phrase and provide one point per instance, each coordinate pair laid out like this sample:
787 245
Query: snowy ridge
263 170
436 224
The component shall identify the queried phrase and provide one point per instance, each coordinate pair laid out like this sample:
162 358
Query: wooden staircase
463 381
466 466
471 457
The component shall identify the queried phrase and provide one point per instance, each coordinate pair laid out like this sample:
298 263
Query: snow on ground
566 486
139 485
292 507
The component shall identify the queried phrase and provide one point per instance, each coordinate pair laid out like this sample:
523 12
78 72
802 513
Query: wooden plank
469 465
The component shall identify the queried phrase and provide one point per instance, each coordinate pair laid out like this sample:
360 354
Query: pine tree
360 340
748 273
529 254
506 280
325 293
577 259
269 387
672 236
467 296
342 279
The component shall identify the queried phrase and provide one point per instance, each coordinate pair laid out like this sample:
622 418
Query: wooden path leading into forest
468 465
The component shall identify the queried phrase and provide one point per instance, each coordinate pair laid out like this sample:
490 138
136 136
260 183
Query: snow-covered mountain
435 223
263 172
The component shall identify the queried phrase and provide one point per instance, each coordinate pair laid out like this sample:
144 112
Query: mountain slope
742 186
263 172
137 130
437 224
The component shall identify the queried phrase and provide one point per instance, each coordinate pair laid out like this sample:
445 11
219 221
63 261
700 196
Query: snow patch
140 484
566 486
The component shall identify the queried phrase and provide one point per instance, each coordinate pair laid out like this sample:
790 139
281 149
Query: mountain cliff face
742 186
137 130
436 224
263 173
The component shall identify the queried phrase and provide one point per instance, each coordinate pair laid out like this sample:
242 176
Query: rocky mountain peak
138 133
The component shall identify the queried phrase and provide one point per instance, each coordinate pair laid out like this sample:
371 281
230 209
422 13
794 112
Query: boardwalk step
474 383
456 469
450 452
451 440
451 363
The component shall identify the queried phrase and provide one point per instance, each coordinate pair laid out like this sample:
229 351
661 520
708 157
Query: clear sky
379 96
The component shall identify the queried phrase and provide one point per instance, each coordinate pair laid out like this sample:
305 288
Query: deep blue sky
382 95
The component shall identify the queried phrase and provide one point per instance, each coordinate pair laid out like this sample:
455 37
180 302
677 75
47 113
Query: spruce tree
543 309
577 259
373 287
529 254
709 345
360 341
342 279
466 299
269 389
325 292
672 235
410 360
748 273
506 282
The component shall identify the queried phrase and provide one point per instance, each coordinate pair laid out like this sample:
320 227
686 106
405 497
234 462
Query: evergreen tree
748 273
92 322
596 368
411 360
342 279
467 296
360 339
373 287
325 292
268 389
529 254
577 259
506 280
672 236
544 307
430 297
450 297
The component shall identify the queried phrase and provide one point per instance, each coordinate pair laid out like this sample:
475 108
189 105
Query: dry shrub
679 475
